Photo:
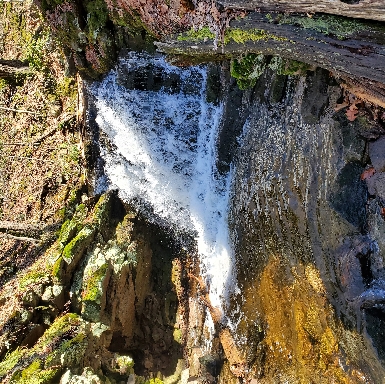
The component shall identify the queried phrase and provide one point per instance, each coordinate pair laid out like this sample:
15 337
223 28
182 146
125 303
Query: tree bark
361 56
365 9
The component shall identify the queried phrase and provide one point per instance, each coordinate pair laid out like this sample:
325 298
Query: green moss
34 276
69 352
10 360
36 51
154 381
68 231
197 35
60 326
288 67
77 244
34 374
97 17
247 70
341 27
44 367
102 210
57 268
3 84
177 334
241 36
93 286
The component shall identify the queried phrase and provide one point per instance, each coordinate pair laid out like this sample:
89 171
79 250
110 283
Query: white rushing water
164 155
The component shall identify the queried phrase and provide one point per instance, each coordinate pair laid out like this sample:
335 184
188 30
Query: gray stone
376 185
377 154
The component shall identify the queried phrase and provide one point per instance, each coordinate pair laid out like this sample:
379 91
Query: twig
18 110
29 158
21 238
45 135
11 225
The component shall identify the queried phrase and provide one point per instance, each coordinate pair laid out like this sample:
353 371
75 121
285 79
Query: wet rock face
300 217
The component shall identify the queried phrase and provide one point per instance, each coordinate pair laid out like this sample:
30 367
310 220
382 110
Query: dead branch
9 69
238 365
22 231
20 238
17 110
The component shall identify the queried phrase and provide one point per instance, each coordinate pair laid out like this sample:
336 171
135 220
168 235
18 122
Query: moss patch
34 374
93 285
197 35
77 245
247 70
35 276
341 27
288 67
61 345
10 361
241 36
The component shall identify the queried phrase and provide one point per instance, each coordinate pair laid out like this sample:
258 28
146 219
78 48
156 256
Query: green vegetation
34 276
197 35
45 360
341 27
68 230
10 360
34 374
247 70
154 381
61 325
93 285
57 268
76 245
288 67
97 17
177 334
237 35
241 36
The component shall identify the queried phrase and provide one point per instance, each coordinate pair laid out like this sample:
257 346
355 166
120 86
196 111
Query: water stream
164 134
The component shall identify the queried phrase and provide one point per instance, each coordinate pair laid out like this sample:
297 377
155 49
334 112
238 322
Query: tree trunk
365 9
359 55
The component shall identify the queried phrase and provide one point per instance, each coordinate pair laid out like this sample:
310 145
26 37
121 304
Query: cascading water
165 132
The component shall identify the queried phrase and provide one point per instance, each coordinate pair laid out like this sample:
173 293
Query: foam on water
165 157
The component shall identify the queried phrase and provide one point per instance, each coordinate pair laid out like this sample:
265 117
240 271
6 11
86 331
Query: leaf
368 173
352 112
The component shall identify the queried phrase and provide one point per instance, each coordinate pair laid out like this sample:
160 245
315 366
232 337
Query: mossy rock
63 344
247 70
35 374
73 252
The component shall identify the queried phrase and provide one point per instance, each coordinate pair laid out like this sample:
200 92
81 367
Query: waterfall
160 154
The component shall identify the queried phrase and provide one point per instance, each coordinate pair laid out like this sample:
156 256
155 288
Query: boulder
376 185
377 154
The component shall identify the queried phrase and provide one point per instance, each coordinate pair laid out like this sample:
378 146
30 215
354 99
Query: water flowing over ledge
164 132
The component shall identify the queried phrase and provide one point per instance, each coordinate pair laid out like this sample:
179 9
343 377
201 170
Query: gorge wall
292 152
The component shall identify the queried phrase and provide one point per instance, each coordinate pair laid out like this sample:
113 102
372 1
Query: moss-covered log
350 49
366 9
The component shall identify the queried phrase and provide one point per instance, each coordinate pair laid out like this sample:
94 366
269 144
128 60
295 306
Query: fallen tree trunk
357 56
365 9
